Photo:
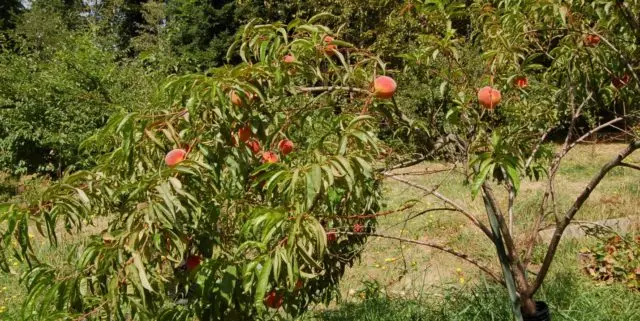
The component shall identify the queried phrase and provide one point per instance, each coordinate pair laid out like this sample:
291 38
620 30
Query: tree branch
633 166
555 241
440 247
535 149
432 191
411 162
333 88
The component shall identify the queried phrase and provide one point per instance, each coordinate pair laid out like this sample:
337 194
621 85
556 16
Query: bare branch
535 149
633 166
591 132
440 247
432 191
420 159
555 241
334 88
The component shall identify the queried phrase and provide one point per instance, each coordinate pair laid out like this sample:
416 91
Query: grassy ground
418 283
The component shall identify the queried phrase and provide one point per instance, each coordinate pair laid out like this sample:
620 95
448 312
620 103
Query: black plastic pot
542 313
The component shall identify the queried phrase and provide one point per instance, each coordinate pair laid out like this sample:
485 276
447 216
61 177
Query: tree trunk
528 306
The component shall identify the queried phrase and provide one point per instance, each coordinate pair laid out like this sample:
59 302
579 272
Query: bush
58 89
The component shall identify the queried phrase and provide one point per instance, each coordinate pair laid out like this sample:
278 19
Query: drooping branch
571 212
440 247
433 191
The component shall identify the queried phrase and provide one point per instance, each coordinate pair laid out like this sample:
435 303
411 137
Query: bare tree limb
334 88
591 132
431 191
535 149
633 166
411 162
557 235
440 247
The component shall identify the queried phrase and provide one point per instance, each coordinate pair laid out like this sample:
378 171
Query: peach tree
522 83
224 203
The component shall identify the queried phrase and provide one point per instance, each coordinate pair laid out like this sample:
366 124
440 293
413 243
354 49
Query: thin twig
440 247
434 192
633 166
535 150
333 88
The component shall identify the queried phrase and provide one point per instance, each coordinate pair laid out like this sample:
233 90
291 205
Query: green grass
570 295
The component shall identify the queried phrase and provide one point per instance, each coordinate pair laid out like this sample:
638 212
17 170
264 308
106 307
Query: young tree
530 68
226 204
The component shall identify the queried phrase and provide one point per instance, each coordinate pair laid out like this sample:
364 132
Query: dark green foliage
8 10
58 87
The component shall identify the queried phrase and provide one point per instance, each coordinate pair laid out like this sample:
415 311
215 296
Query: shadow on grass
570 296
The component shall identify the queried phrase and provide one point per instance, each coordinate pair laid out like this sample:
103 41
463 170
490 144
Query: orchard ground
411 282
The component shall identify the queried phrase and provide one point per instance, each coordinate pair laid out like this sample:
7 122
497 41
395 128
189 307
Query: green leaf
314 184
263 283
142 274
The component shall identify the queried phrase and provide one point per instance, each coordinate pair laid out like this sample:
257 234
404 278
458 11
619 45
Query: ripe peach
288 59
331 237
273 299
175 156
244 134
193 262
299 284
269 157
620 82
329 47
285 146
254 146
489 98
237 101
591 40
358 228
384 87
521 82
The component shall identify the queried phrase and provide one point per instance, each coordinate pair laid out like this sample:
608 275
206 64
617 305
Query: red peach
331 237
193 262
285 146
329 47
521 82
489 98
591 40
175 156
299 284
358 228
237 101
288 59
235 98
384 87
620 82
269 157
254 146
273 299
244 134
